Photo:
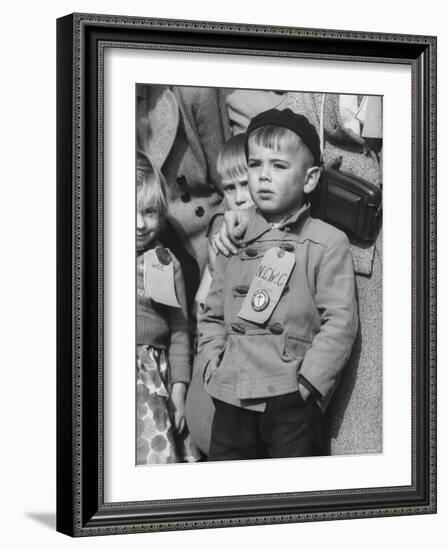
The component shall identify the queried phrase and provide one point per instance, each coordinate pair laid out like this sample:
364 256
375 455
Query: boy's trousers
288 427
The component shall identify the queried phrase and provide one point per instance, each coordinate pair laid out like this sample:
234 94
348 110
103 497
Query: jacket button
238 328
288 247
199 211
276 328
240 290
251 252
182 181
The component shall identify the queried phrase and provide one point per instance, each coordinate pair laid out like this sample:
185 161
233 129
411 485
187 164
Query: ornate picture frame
82 510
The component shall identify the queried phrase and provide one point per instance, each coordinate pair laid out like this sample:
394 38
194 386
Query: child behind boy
231 166
162 338
280 318
232 169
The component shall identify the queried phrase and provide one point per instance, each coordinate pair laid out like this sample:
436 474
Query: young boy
231 166
280 318
232 169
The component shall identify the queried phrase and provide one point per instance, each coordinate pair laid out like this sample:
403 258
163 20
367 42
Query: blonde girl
162 338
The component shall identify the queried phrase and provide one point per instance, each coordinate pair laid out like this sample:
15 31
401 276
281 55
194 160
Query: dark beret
298 124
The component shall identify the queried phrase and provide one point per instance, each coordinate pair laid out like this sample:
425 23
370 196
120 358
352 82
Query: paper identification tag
267 285
158 277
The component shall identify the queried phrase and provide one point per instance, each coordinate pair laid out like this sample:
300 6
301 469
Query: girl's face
149 221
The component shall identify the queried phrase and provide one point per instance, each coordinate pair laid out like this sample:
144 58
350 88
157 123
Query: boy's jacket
311 330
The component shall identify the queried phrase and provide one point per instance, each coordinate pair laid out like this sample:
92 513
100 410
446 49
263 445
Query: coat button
276 328
288 247
199 211
238 328
181 181
240 290
251 252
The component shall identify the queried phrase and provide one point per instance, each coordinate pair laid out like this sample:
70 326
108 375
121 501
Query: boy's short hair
286 121
232 161
273 137
151 185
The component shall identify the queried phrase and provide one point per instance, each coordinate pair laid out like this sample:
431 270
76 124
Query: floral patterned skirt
156 439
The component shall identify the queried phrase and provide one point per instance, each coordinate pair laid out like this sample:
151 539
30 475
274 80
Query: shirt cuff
181 373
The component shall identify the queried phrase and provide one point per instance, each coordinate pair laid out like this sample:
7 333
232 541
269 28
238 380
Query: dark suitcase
348 202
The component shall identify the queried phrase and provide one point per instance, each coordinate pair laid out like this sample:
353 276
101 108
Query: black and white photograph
259 297
223 275
246 252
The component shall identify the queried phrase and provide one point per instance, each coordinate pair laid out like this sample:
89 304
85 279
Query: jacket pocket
254 352
296 347
211 366
250 253
208 371
257 365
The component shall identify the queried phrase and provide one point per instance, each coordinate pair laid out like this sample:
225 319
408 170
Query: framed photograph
246 275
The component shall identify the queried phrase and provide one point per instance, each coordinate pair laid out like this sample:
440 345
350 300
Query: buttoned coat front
311 330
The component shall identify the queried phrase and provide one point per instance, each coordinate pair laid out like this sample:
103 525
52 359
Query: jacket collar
258 225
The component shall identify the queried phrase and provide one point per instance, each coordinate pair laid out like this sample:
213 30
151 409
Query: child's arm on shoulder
336 301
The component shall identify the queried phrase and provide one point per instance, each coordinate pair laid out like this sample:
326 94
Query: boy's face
236 193
277 179
148 223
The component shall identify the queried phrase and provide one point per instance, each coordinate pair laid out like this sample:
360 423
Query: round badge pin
260 300
163 255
